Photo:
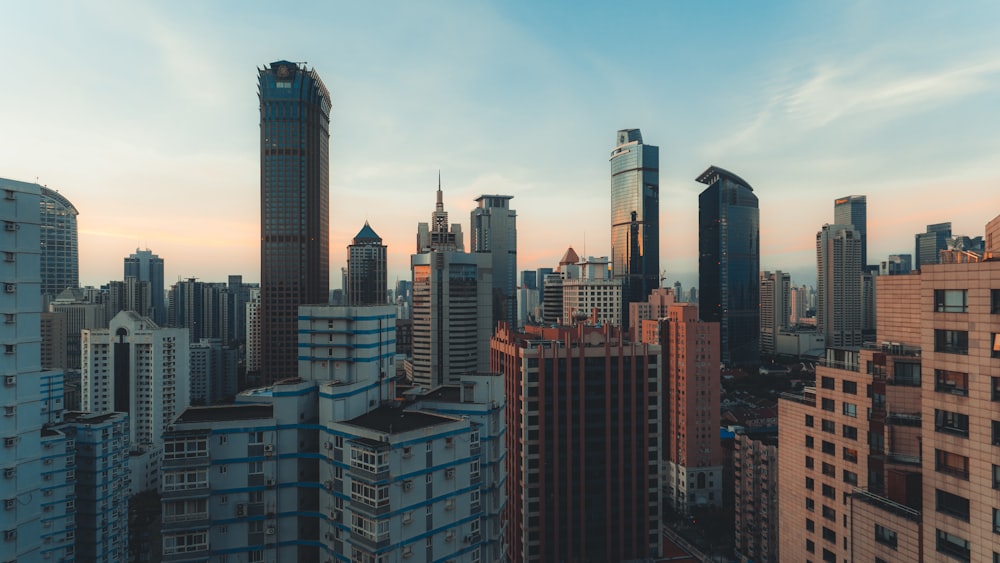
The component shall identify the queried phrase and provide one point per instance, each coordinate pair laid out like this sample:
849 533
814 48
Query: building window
849 387
952 464
995 388
951 341
810 484
906 373
885 536
996 476
995 301
829 448
810 546
829 513
946 381
953 546
809 462
951 504
996 521
827 383
850 432
829 470
829 426
996 433
185 542
829 556
810 505
951 300
829 492
995 345
810 525
829 535
951 422
851 410
851 455
809 419
828 405
809 441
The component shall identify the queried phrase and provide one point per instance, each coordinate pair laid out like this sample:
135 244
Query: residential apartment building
592 294
775 308
755 496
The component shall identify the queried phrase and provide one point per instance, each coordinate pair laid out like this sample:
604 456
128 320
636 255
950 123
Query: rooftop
396 420
709 177
88 417
224 413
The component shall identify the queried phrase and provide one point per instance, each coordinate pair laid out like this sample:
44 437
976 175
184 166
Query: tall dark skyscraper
60 253
145 266
928 246
494 231
729 263
853 210
635 217
366 269
294 207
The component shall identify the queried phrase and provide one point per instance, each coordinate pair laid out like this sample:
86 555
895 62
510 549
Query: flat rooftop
393 420
89 418
225 413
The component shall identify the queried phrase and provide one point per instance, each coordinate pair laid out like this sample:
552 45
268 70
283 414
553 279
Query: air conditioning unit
268 449
449 442
407 518
449 473
407 485
328 446
47 461
450 536
270 482
330 536
10 535
11 226
407 452
241 509
328 485
449 504
10 441
9 503
408 551
10 380
336 515
10 472
10 287
269 531
9 410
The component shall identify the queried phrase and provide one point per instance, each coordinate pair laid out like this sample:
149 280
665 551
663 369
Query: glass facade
294 204
853 210
635 217
729 264
60 253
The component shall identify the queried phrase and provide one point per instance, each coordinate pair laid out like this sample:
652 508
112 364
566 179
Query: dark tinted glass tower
145 266
294 207
930 244
60 253
853 210
366 269
494 231
729 263
635 217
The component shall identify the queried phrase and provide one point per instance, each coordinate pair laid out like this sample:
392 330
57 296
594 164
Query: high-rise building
202 308
775 308
325 466
635 217
592 294
147 267
583 480
799 304
895 265
37 480
494 231
839 285
60 252
366 269
214 372
729 263
136 367
451 304
853 210
691 452
755 495
252 360
928 245
294 207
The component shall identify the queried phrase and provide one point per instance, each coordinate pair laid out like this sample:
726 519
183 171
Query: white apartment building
592 290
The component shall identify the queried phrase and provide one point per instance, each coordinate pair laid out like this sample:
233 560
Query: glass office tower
635 217
294 207
853 210
60 251
729 263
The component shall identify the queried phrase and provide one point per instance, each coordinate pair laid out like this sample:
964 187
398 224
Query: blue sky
145 116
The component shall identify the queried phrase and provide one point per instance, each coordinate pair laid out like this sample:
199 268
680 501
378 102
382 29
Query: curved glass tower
635 217
294 208
729 264
60 252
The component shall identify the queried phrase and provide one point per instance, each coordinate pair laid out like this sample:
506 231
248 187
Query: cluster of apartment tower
483 416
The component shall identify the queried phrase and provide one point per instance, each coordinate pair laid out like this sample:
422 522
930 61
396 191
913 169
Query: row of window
957 342
957 301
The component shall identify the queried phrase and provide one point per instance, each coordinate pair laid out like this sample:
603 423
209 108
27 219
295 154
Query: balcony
885 504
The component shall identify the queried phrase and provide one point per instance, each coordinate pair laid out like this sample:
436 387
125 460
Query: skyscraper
294 207
494 231
775 308
838 285
853 210
635 217
729 263
145 266
451 304
366 269
928 246
60 253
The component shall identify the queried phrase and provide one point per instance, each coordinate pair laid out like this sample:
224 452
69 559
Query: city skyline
157 145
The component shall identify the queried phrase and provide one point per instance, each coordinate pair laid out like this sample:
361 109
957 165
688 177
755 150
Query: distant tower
60 252
839 285
451 303
729 263
929 245
494 231
775 308
294 207
145 266
853 210
635 217
366 269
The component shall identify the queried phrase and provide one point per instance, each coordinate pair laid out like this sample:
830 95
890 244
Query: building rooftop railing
804 398
887 505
